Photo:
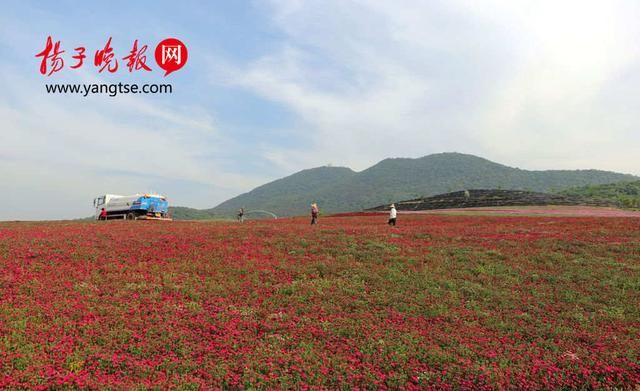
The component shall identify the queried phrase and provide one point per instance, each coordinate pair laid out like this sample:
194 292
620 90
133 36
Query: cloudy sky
273 87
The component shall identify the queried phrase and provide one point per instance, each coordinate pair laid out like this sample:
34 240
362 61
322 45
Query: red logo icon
171 55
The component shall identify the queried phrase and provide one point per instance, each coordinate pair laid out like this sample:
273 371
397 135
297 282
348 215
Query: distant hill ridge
340 189
480 198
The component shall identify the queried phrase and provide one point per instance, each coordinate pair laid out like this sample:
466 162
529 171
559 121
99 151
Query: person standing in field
314 213
392 215
241 215
103 214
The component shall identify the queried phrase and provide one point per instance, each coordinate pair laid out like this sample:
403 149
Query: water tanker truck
132 207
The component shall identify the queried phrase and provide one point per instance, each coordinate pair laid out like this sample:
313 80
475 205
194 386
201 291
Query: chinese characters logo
170 55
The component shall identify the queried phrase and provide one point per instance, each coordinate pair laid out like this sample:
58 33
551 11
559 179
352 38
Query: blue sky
273 87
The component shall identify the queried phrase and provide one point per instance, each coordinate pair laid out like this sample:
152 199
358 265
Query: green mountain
339 189
622 194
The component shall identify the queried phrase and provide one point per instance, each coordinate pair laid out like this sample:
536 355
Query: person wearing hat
392 215
314 213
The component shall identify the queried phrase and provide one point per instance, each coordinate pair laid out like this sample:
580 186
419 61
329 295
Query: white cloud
520 82
549 112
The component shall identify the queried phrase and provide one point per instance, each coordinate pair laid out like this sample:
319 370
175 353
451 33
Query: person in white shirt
392 215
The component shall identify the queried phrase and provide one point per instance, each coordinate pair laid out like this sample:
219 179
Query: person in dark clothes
314 213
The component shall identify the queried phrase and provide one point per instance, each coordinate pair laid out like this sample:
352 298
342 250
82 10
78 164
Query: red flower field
441 302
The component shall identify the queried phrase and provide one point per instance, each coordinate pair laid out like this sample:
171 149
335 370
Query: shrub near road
439 301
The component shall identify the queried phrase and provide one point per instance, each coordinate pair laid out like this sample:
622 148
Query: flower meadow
438 302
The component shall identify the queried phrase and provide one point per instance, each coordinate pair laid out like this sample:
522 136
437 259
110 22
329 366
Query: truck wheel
131 216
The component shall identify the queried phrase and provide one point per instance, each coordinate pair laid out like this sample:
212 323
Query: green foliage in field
622 194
